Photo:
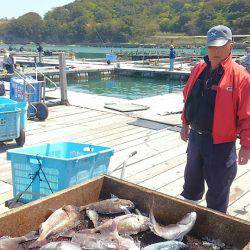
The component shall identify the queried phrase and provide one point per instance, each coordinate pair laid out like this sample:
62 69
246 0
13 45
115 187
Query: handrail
47 78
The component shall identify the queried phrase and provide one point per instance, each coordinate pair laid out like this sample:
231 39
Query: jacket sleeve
186 90
243 112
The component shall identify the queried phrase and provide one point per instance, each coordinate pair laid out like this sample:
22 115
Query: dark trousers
213 163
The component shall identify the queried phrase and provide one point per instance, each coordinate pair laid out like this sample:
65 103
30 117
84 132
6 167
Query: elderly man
216 110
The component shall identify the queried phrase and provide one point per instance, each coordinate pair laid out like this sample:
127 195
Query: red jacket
232 103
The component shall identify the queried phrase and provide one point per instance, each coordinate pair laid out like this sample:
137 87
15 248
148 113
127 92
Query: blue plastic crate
64 164
19 90
23 106
111 57
9 122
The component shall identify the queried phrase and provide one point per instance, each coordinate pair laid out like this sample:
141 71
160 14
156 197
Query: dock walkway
159 163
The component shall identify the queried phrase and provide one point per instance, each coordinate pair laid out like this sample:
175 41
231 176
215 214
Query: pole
63 79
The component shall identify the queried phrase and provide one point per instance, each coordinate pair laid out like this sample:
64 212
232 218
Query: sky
16 8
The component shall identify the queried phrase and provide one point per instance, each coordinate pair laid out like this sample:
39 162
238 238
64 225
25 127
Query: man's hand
184 132
244 156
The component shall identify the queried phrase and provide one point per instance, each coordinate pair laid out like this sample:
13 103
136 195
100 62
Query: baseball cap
219 35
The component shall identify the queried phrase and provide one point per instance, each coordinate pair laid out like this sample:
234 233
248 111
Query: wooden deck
159 163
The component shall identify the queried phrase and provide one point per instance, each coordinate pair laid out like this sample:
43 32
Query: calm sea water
125 87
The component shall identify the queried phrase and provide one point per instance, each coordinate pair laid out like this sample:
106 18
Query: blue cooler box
61 165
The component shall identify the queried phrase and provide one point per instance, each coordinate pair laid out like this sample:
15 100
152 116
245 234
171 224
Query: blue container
9 122
64 164
111 57
19 91
23 106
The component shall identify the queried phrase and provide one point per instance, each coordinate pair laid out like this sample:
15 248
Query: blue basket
9 122
19 90
23 106
64 164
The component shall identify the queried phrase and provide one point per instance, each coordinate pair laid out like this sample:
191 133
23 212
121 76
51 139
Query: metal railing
44 81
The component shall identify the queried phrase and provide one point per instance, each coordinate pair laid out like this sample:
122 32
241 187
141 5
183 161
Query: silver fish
109 239
95 241
124 243
173 231
93 216
167 245
62 219
62 245
8 243
126 224
110 206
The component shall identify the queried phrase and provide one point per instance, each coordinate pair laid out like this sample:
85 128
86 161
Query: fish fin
38 244
180 238
67 209
67 233
114 197
125 210
152 218
95 222
82 208
31 236
52 210
138 212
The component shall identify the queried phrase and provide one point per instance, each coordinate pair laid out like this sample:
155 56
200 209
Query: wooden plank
5 196
150 165
241 208
65 122
4 187
69 130
150 136
173 188
162 179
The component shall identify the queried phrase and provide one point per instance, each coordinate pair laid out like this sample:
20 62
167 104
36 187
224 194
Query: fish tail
30 236
38 243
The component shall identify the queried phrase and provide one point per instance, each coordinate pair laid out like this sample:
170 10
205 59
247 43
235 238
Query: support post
63 79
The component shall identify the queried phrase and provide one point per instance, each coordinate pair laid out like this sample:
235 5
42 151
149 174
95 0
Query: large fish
126 224
107 240
61 245
61 220
7 243
173 231
94 241
124 243
110 206
167 245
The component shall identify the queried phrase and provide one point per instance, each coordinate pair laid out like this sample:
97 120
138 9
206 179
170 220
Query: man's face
218 54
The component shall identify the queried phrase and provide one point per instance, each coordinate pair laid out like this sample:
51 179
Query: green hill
127 20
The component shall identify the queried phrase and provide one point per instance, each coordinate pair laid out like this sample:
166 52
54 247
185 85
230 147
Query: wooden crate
167 209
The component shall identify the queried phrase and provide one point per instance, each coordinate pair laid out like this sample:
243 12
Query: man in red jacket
216 110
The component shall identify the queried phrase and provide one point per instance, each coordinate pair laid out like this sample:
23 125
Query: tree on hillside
29 26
